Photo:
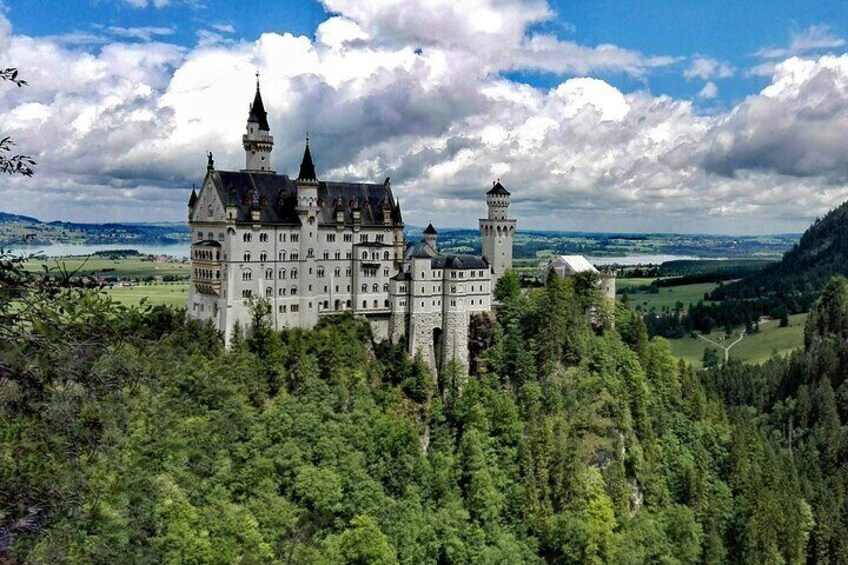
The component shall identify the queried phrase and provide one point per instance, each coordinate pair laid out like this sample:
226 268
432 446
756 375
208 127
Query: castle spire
257 109
257 141
307 167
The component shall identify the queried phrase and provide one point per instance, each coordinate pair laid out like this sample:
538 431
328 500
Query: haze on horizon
597 117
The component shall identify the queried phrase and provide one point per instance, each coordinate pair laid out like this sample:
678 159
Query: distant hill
821 253
16 230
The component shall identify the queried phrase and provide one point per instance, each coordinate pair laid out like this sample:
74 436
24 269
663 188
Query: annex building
313 248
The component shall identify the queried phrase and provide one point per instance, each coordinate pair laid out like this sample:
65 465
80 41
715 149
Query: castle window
481 273
269 291
453 274
364 288
365 304
375 287
338 254
295 307
385 303
363 237
220 236
263 237
461 274
348 255
269 273
246 293
294 273
365 255
295 256
348 272
282 274
321 273
348 237
331 238
294 291
326 255
386 272
386 287
263 256
380 237
281 292
282 308
337 272
326 305
310 253
199 236
247 237
282 237
246 257
385 255
281 256
246 276
453 289
375 304
295 237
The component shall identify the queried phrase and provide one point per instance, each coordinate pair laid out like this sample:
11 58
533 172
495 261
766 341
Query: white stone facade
314 249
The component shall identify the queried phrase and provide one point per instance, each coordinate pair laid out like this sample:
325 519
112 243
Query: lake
181 250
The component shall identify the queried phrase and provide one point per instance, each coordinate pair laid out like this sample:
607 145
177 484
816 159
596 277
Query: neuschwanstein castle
316 248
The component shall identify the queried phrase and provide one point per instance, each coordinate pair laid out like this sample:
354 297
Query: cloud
123 134
224 28
144 33
706 68
814 38
146 3
709 91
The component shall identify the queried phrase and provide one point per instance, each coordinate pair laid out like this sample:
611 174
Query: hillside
16 230
821 253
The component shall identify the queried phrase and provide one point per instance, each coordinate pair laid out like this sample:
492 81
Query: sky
637 116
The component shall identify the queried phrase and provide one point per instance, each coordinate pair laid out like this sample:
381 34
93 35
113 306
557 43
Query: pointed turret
307 167
258 114
192 202
258 141
431 235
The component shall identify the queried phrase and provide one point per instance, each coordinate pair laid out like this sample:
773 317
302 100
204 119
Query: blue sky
642 116
724 30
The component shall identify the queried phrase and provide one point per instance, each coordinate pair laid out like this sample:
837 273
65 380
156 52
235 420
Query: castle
314 248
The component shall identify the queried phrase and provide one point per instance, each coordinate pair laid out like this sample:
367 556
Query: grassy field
131 267
754 348
171 293
667 297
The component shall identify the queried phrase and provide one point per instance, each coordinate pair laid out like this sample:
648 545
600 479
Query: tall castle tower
257 142
496 231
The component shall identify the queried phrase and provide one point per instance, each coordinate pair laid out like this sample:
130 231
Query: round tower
257 141
496 231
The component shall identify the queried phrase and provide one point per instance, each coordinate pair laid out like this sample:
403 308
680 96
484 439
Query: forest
130 435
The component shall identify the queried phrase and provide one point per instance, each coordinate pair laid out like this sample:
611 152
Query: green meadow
169 293
127 267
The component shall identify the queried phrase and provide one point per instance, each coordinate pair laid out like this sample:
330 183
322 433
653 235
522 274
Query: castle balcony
206 267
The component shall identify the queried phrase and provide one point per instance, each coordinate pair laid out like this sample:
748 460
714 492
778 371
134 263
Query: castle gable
208 206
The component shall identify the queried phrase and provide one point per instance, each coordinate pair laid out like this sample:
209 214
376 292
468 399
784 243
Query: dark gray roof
192 200
307 167
277 198
207 243
402 276
458 262
420 250
430 230
258 113
498 188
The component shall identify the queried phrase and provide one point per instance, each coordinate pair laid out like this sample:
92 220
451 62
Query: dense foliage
134 436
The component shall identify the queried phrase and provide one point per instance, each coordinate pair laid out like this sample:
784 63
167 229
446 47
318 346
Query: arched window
294 291
386 255
263 256
294 273
364 288
282 255
247 257
269 273
337 272
247 237
310 253
347 272
365 304
282 291
386 287
338 255
246 276
375 255
326 254
282 273
321 272
269 291
386 272
295 256
375 287
365 255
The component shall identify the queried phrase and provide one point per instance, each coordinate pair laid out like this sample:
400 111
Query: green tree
508 286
